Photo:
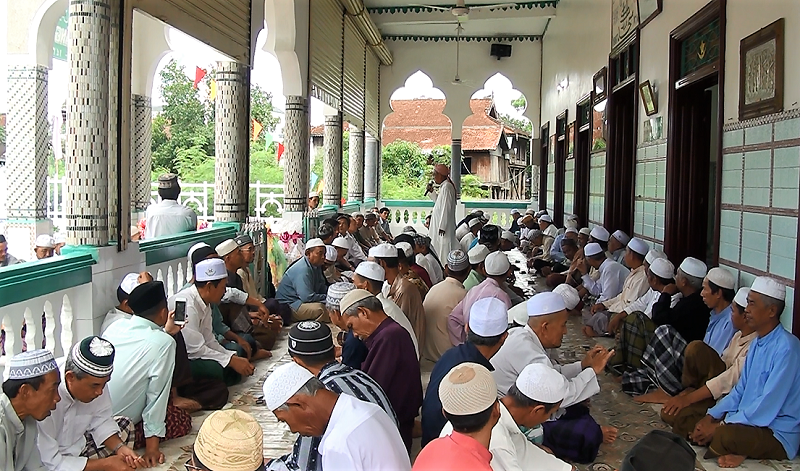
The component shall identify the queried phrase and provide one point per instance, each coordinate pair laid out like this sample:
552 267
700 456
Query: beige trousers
311 312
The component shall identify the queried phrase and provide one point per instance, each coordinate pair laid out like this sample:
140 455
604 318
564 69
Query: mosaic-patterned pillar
295 155
87 123
370 167
355 177
332 168
379 173
113 117
455 165
232 129
141 152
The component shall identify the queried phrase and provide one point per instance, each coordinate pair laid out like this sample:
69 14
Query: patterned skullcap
284 383
457 260
310 338
167 180
467 389
95 356
336 292
231 440
31 364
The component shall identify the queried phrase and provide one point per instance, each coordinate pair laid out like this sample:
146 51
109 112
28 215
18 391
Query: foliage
516 123
471 187
519 104
261 110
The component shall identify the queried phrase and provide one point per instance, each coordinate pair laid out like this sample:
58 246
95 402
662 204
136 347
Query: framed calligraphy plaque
624 20
761 65
648 9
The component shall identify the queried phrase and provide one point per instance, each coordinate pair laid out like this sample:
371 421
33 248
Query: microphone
428 187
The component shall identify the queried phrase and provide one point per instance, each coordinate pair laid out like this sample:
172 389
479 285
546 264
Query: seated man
356 224
6 258
391 360
616 246
351 348
123 311
368 232
707 376
547 321
415 273
402 291
497 270
718 293
81 433
145 353
474 226
558 262
355 434
758 418
355 254
44 246
440 302
29 395
487 332
427 259
560 273
342 247
633 288
384 222
515 217
477 258
527 224
508 241
673 328
168 217
466 447
228 439
248 249
583 236
612 274
303 286
532 400
643 303
311 346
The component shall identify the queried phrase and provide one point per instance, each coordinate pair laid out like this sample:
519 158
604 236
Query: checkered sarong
575 436
662 364
634 337
93 451
178 423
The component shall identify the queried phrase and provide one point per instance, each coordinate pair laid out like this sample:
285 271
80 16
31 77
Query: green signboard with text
61 38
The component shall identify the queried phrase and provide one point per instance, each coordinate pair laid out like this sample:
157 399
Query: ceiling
402 18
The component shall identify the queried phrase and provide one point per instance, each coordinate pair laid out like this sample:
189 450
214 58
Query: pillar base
21 236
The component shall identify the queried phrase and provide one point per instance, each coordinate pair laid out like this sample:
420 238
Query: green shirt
473 280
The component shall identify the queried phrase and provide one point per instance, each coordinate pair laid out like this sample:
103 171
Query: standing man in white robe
443 218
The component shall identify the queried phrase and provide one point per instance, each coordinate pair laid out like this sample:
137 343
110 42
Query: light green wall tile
784 226
729 252
732 179
758 159
788 312
787 157
785 198
728 235
755 222
732 161
730 219
758 134
756 197
746 279
757 178
732 196
786 178
788 129
733 138
783 247
781 266
754 259
757 241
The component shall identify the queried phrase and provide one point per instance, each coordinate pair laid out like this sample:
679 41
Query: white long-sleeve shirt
645 303
168 217
201 343
635 287
610 283
61 435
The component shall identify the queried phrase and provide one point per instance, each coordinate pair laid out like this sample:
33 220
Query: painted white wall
438 61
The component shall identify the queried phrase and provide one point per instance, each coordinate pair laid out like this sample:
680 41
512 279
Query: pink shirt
455 452
459 318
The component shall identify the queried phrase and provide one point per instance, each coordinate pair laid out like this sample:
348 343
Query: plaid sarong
575 436
662 364
634 337
93 451
179 423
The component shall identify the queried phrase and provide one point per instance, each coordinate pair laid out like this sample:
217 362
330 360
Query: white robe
443 218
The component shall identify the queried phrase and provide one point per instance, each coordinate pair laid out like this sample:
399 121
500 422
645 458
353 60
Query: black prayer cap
2 239
309 338
201 254
242 240
489 234
147 296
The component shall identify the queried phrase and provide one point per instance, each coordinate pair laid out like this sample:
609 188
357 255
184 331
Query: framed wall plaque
761 65
648 9
648 98
600 84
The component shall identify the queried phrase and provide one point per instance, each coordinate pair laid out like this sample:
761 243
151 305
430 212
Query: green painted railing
176 246
407 203
29 280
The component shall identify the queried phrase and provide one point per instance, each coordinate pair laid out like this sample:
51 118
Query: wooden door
621 158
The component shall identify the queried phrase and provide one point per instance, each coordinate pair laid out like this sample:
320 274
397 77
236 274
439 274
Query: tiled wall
569 185
597 188
651 184
760 187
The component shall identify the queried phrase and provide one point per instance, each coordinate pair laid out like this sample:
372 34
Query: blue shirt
433 420
473 244
768 391
302 283
720 330
556 254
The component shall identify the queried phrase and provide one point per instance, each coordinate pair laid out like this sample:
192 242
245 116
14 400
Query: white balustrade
173 273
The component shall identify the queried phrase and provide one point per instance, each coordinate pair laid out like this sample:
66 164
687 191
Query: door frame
581 178
560 163
544 151
716 9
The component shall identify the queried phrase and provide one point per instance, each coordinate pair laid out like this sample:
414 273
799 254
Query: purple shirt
459 318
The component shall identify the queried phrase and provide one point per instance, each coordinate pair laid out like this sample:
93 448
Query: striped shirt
340 379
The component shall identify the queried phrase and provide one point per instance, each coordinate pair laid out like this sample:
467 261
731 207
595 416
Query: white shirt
436 267
393 310
461 231
443 219
466 241
424 263
355 254
522 348
646 302
609 285
511 450
61 438
361 437
635 287
168 217
113 315
201 343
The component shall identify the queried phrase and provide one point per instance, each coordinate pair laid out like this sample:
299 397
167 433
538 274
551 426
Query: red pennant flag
198 76
280 151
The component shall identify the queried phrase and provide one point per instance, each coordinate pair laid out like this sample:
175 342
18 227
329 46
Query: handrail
407 203
39 277
172 247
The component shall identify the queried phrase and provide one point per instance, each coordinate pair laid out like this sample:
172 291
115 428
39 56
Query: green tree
261 110
519 104
516 123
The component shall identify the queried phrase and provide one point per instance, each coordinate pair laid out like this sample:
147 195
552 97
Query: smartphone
180 311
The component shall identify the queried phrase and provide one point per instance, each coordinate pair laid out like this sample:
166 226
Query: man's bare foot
659 396
589 332
260 354
731 461
609 434
185 404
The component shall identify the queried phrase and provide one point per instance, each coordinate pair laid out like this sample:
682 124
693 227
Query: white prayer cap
284 383
45 241
473 222
405 247
211 269
741 297
467 389
769 287
570 295
542 383
313 194
585 231
194 248
530 211
497 264
314 243
518 314
371 271
488 317
60 238
653 255
227 247
663 268
545 303
410 229
357 214
383 251
130 282
571 229
478 254
509 236
600 233
515 211
546 218
353 297
592 249
341 243
621 236
721 277
330 253
694 267
639 246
